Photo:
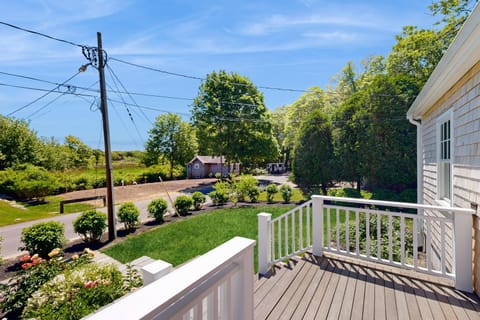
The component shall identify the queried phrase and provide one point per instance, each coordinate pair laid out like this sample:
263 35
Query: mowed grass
297 196
12 215
181 241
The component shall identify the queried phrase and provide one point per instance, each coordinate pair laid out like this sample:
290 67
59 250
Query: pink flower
25 258
90 284
26 265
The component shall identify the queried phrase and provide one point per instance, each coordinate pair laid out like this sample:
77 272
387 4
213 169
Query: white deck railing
216 285
380 231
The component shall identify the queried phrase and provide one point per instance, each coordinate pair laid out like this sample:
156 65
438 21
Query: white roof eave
461 56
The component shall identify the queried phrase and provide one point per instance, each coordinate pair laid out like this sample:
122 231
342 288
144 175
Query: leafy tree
388 147
18 143
313 166
416 53
171 139
279 121
312 100
80 153
232 120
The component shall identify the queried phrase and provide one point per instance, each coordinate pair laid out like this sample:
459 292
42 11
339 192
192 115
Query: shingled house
208 166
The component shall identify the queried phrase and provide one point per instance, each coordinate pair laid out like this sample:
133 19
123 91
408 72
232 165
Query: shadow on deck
333 287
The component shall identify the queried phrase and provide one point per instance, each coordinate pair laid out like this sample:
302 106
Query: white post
317 225
264 242
241 296
463 251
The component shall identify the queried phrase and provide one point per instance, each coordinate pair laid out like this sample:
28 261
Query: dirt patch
145 191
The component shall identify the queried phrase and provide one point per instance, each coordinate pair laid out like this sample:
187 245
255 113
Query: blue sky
288 44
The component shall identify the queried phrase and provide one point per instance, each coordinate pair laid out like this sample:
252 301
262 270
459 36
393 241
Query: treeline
357 131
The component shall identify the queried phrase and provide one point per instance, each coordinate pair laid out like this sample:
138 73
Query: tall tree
79 151
232 120
171 139
18 143
279 117
314 163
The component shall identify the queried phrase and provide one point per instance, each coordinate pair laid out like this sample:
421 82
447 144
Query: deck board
332 287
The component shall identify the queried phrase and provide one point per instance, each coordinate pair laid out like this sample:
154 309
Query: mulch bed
10 266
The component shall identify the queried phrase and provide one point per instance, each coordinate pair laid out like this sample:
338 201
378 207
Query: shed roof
209 159
461 56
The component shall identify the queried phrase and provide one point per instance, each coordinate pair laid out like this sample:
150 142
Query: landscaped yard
181 241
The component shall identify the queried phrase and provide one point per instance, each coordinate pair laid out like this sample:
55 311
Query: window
196 166
444 183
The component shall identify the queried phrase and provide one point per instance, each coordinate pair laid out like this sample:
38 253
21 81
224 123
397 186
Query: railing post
317 225
241 295
463 251
264 242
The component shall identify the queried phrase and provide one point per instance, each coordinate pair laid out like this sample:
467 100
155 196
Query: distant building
208 166
276 168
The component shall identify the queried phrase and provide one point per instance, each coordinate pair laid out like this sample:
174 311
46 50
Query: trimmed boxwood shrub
183 204
286 192
129 215
157 208
90 225
41 238
253 193
198 199
271 190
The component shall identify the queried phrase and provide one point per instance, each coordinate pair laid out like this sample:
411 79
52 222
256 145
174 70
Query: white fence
216 285
380 231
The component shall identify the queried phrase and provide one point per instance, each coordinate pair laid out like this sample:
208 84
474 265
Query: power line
117 79
42 34
203 79
44 90
42 96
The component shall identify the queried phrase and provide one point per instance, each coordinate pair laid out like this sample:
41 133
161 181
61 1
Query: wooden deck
339 288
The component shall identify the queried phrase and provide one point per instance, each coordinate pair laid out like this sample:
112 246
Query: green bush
183 204
43 237
198 199
384 241
28 182
244 184
35 272
77 293
344 193
152 173
271 189
90 225
286 192
129 214
253 193
81 183
157 208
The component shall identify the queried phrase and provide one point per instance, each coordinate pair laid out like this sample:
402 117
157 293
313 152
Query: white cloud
350 17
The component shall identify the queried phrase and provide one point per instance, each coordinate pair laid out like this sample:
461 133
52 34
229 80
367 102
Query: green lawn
297 196
181 241
12 215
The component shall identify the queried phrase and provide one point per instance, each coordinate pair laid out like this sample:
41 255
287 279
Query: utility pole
112 231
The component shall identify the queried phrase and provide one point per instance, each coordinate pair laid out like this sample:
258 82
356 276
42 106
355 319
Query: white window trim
448 115
196 166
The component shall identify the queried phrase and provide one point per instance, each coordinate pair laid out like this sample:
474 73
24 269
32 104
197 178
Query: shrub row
27 181
239 188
